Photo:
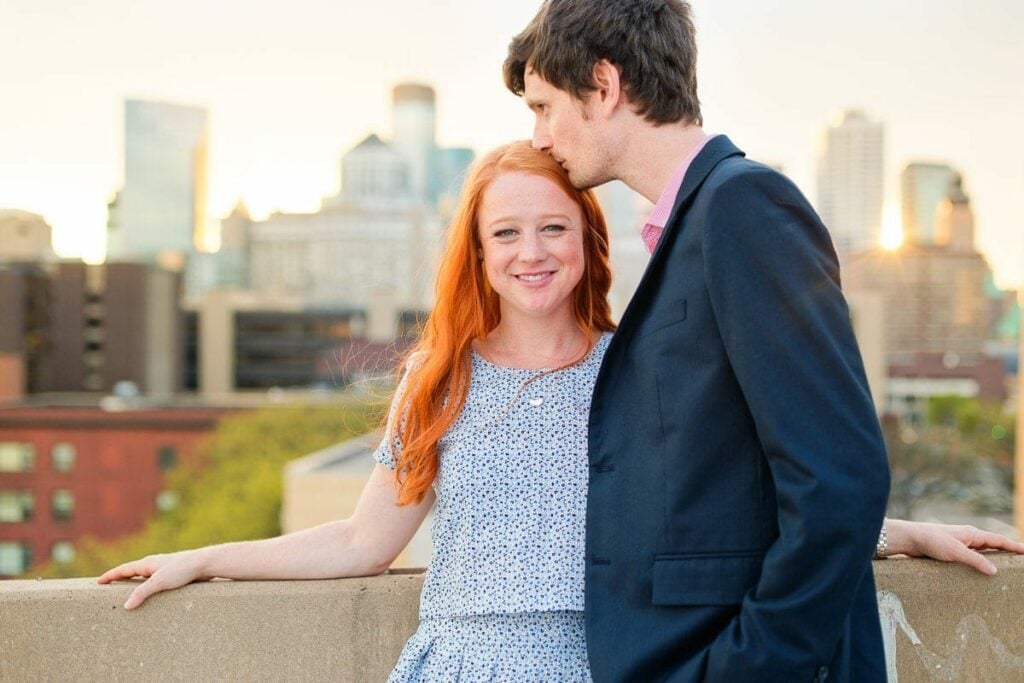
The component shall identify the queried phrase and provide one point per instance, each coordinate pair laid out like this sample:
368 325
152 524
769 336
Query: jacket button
822 674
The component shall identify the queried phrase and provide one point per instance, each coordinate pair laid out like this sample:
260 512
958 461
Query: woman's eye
554 227
507 232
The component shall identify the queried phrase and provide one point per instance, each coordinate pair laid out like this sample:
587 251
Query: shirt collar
663 208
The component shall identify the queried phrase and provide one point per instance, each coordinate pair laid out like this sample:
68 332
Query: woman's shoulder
416 359
602 343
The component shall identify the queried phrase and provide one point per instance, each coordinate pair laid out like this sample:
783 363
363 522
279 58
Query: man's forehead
535 87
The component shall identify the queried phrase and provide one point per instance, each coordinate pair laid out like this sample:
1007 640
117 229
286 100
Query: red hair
466 308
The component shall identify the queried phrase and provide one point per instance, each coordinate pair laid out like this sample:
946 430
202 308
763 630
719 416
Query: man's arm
773 284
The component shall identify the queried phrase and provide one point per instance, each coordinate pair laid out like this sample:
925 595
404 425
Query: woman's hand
947 542
162 573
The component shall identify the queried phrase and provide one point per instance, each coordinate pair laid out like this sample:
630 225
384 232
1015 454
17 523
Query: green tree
235 493
989 428
963 453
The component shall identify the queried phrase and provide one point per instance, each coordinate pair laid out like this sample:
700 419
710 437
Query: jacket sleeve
774 287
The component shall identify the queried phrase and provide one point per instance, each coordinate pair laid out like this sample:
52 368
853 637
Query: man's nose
541 139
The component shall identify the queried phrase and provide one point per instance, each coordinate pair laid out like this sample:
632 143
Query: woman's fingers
144 590
128 570
960 552
961 543
987 540
162 573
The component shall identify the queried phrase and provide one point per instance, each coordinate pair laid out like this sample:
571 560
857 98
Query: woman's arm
947 542
366 543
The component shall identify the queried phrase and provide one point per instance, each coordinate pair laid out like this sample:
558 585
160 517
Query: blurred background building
414 126
851 180
923 186
161 212
374 245
625 212
74 327
25 237
934 292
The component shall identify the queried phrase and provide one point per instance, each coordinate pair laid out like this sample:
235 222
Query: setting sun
892 228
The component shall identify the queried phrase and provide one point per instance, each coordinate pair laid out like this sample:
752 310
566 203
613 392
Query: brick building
912 385
71 472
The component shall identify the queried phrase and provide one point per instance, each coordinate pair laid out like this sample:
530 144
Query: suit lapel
716 149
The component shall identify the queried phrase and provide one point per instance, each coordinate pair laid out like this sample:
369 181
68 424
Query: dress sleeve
391 445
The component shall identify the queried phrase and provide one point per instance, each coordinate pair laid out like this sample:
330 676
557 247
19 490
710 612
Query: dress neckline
508 368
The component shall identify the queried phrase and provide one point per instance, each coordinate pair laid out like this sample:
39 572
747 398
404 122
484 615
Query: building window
17 457
166 501
63 504
63 552
16 506
63 457
167 457
15 558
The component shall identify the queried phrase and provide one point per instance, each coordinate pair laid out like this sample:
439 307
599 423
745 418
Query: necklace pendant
536 402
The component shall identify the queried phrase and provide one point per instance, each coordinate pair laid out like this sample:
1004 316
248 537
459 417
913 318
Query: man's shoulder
736 183
737 172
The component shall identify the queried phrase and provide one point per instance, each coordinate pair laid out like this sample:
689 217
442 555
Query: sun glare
892 228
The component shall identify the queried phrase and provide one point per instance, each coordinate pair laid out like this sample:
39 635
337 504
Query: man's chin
586 183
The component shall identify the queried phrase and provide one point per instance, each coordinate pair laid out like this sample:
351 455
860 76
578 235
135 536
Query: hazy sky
291 85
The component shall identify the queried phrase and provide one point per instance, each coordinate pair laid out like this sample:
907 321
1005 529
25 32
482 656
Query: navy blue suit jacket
738 477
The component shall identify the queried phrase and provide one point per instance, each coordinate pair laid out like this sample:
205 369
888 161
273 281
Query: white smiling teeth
532 278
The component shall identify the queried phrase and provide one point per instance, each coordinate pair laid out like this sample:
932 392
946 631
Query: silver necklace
538 401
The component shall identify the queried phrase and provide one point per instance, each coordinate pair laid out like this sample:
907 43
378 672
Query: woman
499 385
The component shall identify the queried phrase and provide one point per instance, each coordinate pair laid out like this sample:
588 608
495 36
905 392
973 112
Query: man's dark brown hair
652 42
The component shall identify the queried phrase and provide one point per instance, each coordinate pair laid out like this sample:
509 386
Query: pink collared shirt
655 225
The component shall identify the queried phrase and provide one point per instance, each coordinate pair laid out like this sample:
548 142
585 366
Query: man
738 474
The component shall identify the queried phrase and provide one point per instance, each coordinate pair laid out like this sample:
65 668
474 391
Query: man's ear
608 86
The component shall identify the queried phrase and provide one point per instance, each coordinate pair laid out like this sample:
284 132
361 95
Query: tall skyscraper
850 181
162 207
923 186
414 135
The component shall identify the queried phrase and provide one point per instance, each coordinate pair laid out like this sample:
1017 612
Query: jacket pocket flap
704 579
672 313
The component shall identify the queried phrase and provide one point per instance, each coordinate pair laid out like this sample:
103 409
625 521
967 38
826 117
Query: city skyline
289 90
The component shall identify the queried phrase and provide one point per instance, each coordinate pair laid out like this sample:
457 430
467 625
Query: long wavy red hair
466 308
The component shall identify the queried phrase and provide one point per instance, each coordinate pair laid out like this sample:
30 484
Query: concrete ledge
942 623
949 623
342 630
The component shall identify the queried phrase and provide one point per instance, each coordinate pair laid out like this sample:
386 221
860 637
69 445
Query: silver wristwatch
882 547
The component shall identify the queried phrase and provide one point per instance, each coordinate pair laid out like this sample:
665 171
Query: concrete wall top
941 623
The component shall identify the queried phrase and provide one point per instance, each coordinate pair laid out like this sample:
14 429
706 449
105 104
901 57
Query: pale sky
292 85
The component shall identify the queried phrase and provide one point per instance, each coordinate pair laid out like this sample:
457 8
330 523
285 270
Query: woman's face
531 234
